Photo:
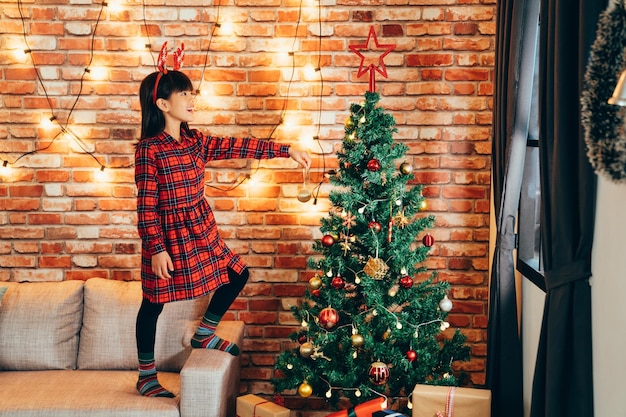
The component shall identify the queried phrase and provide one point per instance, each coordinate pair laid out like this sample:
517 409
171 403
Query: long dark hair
152 120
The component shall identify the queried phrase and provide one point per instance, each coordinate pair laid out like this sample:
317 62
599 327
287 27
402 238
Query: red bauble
375 226
302 339
373 165
428 240
338 283
316 293
328 318
411 355
406 282
378 373
328 241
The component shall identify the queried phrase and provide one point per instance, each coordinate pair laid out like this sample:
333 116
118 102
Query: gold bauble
306 349
315 282
305 390
357 340
406 168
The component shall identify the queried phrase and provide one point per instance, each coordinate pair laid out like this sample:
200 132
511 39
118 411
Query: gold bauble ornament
315 282
305 390
406 168
306 350
357 340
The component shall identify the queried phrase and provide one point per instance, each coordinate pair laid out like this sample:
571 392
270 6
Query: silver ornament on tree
445 304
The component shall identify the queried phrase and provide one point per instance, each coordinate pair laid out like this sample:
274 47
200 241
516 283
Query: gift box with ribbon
254 406
443 401
366 409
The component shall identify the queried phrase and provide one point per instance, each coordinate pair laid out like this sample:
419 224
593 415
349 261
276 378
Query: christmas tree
373 315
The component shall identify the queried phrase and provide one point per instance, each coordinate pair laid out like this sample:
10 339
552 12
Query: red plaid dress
174 215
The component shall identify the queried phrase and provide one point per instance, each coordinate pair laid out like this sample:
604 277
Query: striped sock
148 385
206 338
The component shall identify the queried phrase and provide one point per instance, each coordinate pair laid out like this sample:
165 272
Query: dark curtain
563 379
515 44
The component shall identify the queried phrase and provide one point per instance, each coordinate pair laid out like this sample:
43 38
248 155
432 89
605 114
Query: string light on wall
50 122
224 26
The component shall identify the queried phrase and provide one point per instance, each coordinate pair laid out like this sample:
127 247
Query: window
529 257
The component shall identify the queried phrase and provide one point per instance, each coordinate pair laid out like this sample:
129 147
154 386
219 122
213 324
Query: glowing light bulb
21 54
357 393
48 122
289 366
329 393
115 5
101 175
309 72
98 73
6 171
226 28
283 58
139 44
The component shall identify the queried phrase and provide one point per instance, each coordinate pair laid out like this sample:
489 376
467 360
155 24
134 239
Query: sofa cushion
108 333
39 325
83 394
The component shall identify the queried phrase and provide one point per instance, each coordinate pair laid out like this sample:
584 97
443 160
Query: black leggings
145 329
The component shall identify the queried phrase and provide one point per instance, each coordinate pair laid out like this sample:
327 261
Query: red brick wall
58 221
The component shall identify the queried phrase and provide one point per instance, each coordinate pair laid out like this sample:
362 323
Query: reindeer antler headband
179 56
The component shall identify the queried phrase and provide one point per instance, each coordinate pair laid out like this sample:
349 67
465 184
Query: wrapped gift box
434 401
253 406
366 409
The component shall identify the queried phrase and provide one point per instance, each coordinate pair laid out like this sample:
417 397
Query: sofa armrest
209 380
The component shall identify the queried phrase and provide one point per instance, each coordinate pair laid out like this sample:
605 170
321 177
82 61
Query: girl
183 256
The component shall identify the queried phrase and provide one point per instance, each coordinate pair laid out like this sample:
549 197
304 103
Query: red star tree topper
370 67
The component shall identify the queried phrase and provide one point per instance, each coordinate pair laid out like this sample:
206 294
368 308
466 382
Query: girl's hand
301 157
162 265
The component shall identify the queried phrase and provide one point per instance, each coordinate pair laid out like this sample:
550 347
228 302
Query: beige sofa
68 349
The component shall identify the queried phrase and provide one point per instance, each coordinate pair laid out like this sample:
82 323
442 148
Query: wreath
603 123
